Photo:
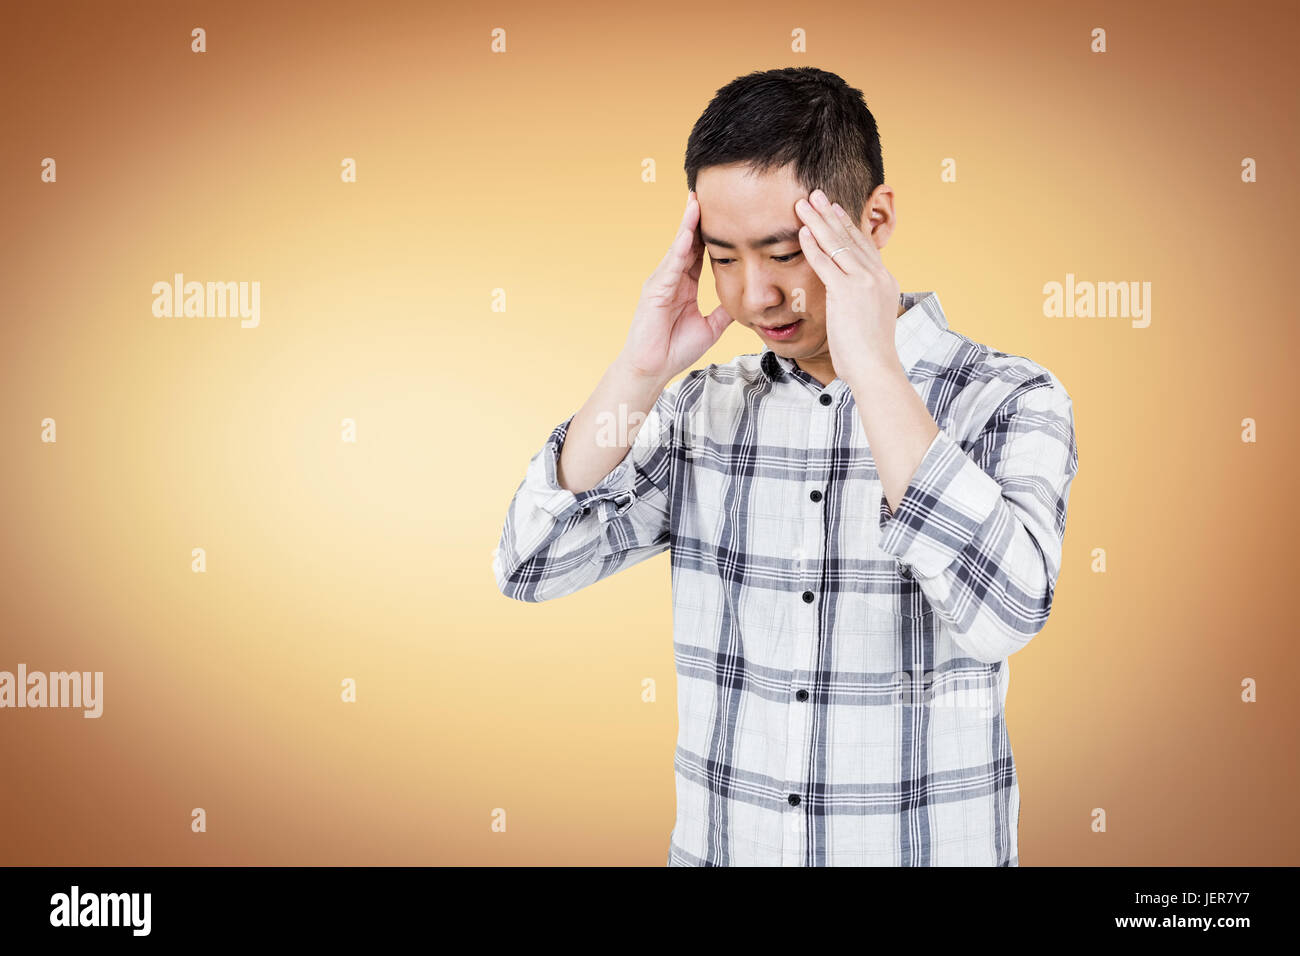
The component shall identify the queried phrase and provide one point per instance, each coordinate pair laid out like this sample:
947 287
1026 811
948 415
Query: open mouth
783 331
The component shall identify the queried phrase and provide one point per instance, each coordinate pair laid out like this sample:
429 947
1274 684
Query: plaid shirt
841 669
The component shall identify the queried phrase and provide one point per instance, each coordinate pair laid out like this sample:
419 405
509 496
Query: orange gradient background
522 171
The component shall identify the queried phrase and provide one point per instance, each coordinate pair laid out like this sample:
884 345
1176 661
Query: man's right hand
669 333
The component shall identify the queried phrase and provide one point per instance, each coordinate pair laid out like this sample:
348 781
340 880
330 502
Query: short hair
800 115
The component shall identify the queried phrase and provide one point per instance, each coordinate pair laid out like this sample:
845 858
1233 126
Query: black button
815 495
586 510
825 399
904 572
794 799
807 597
801 694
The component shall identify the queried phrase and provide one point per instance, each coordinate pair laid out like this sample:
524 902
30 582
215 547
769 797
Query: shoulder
717 383
986 381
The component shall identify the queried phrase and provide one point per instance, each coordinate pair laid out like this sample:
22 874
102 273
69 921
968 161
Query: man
865 519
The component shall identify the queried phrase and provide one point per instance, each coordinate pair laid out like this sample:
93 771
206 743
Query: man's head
764 141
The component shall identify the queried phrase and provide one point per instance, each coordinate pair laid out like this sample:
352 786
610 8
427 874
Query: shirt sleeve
982 529
556 541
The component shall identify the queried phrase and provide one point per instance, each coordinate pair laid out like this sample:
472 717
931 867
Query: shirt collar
920 325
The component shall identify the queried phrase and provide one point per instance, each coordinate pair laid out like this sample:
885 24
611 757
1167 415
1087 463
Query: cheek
813 292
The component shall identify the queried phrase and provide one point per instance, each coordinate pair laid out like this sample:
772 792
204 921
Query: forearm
985 546
898 426
604 428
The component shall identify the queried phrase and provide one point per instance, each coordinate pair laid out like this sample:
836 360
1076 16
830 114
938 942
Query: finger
817 258
718 320
829 235
691 219
682 252
695 257
863 241
853 251
695 251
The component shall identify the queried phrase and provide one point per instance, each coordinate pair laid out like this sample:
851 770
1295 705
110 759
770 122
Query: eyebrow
785 235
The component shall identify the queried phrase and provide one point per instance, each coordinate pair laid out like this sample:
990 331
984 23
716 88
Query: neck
821 368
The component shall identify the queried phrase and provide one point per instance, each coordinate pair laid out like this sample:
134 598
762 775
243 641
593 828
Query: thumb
718 321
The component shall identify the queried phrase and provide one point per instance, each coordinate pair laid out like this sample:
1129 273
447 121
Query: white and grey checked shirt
841 670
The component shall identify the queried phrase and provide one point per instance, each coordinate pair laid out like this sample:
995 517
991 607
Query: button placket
809 556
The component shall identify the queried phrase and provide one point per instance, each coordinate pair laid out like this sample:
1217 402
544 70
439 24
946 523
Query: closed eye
781 259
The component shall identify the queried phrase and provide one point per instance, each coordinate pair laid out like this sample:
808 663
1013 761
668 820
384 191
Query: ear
880 220
880 226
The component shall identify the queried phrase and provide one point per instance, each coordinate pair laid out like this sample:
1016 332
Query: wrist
628 370
873 371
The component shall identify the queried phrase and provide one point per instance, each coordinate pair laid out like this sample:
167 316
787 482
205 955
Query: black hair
800 115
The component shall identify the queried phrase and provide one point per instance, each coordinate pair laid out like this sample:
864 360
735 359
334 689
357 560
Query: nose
760 293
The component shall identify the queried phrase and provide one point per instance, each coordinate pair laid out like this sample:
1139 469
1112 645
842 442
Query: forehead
738 203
